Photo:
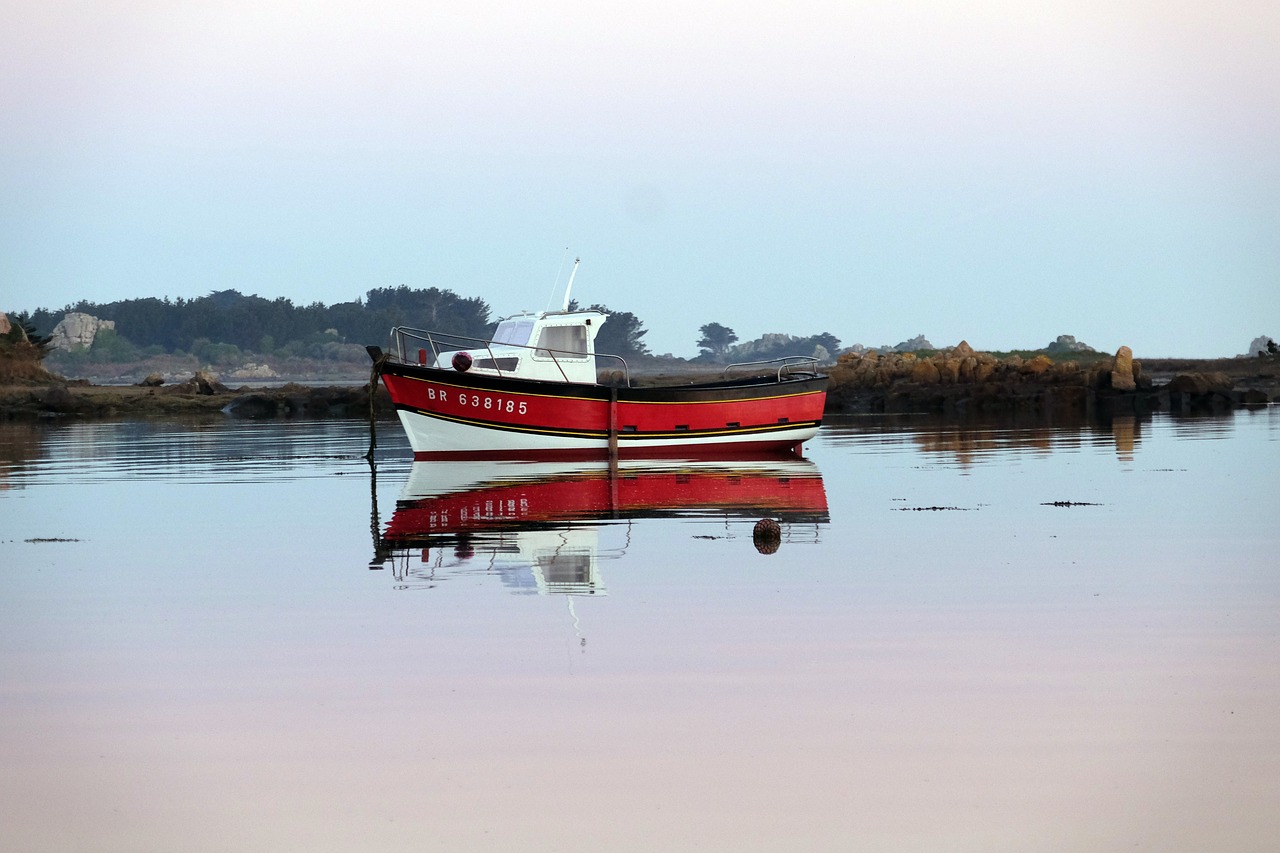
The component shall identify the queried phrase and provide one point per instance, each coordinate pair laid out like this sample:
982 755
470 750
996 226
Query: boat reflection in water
536 525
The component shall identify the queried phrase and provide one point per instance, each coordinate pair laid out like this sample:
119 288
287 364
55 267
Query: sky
998 172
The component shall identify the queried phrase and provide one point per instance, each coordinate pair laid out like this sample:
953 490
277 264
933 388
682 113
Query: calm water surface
235 636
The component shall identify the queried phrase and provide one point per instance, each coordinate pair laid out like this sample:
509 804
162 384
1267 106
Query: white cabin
553 346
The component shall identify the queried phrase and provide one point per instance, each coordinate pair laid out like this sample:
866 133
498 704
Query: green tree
716 340
24 328
110 347
621 334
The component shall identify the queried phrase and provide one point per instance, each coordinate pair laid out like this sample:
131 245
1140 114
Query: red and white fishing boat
534 390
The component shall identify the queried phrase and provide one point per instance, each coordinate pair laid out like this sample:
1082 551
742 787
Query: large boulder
203 383
1254 397
1201 383
1037 366
925 372
985 369
948 369
1122 371
12 333
1259 345
78 330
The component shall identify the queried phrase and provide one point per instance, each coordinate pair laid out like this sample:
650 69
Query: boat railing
626 371
787 366
404 340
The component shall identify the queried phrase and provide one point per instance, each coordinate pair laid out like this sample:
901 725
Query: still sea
995 636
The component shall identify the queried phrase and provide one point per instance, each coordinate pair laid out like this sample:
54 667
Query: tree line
720 344
263 325
225 320
226 324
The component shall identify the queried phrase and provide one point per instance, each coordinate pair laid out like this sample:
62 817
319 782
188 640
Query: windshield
514 332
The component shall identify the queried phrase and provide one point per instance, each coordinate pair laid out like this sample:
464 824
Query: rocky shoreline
958 381
962 381
201 395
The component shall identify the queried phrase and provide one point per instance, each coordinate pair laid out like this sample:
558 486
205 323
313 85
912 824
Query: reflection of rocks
254 406
962 380
199 395
304 401
967 442
59 400
23 443
1125 429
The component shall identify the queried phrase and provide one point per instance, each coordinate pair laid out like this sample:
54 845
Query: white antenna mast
568 287
555 283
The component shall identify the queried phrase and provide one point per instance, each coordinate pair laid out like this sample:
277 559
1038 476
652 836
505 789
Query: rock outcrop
1259 346
964 380
1201 383
919 342
78 330
252 370
1067 344
202 383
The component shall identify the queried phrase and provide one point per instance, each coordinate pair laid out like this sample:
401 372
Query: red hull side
464 414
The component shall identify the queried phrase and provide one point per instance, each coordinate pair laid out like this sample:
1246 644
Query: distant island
249 338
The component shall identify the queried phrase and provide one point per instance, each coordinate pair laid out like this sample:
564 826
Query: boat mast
568 287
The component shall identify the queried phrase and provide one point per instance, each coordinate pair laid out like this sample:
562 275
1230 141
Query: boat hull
452 414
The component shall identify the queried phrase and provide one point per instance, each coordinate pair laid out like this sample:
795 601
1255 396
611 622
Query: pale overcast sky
997 172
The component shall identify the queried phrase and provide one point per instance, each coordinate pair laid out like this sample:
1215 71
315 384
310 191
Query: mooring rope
374 376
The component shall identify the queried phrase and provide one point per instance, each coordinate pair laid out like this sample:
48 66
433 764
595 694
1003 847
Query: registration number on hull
485 402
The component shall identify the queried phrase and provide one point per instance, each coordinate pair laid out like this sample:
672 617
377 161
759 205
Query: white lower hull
432 437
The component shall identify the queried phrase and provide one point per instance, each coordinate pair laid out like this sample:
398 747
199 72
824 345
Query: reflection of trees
20 443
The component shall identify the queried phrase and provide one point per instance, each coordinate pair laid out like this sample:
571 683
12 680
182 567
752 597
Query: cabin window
508 365
514 332
563 341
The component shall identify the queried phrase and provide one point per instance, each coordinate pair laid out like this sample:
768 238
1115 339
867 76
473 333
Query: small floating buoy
462 361
767 535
